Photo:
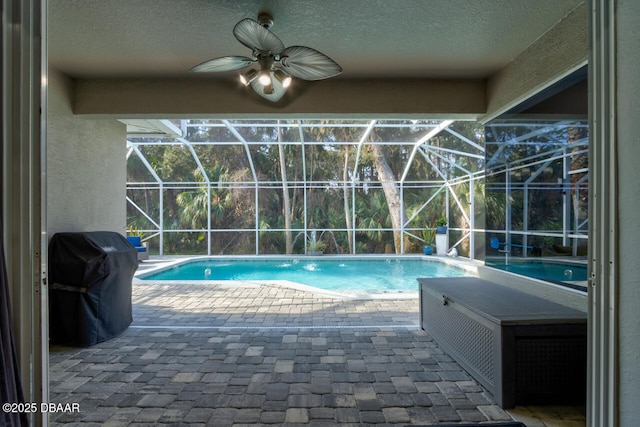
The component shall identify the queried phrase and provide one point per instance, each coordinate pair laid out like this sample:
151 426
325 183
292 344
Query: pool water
547 270
387 275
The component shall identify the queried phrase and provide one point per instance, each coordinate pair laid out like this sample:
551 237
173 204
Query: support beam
203 98
433 132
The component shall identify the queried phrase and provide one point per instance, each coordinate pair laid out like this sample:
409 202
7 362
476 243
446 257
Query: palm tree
372 216
196 205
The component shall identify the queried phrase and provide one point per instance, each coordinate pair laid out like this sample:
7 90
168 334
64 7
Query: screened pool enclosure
240 187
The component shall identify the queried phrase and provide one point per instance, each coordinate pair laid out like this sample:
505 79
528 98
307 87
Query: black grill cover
90 276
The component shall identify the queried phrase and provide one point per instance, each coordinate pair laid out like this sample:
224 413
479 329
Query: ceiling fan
276 64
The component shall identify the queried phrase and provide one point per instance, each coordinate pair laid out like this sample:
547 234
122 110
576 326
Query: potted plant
315 248
441 225
134 230
428 234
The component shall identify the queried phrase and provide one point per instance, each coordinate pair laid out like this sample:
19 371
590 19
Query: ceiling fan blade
278 90
225 63
308 64
256 37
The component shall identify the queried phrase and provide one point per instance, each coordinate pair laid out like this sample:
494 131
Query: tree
288 176
345 195
391 193
195 205
285 194
373 218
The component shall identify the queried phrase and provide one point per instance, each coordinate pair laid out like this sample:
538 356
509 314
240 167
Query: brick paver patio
260 354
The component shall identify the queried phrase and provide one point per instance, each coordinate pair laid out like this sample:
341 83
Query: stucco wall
86 168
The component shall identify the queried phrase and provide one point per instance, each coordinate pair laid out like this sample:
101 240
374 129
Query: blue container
428 250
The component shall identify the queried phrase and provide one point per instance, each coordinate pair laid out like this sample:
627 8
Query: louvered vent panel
542 363
471 341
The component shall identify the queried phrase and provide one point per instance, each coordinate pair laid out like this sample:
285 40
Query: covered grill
90 276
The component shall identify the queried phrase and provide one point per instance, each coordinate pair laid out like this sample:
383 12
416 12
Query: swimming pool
550 270
374 276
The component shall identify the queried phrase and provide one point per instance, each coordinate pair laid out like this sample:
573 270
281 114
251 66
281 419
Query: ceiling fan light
268 89
283 78
274 66
265 78
248 77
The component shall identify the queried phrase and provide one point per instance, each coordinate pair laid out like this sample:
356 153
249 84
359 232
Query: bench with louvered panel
522 348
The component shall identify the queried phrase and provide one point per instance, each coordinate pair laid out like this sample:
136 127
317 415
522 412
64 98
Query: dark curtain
10 386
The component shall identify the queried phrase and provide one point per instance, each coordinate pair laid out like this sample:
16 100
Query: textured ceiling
369 39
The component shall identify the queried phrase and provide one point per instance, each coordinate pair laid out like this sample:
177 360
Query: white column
23 189
614 234
442 244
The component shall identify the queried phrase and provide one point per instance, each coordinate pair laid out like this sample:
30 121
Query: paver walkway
251 354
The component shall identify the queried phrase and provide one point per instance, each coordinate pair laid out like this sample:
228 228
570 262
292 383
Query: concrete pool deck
259 354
